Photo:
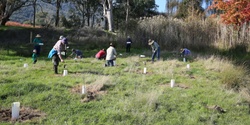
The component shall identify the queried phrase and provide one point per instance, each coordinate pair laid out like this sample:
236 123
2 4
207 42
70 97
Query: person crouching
111 55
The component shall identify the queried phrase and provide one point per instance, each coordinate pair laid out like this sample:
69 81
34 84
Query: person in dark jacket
76 53
128 44
37 44
185 52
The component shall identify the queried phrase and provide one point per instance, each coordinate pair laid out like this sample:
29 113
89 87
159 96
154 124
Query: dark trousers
128 46
38 49
55 61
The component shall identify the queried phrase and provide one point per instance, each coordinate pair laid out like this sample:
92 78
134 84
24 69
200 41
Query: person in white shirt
111 55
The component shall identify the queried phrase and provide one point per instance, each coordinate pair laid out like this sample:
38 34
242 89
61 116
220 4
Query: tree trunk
108 13
127 13
4 20
2 12
58 5
34 12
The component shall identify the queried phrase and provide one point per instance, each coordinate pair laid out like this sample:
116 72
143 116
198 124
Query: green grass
132 98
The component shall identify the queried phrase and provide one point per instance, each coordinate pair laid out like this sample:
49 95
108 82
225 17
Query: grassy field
204 94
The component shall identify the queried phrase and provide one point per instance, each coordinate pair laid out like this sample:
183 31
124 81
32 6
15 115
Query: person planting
55 53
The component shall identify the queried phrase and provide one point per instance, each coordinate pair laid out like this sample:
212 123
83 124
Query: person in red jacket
101 54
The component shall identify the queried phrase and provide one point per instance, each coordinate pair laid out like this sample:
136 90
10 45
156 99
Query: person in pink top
101 54
55 53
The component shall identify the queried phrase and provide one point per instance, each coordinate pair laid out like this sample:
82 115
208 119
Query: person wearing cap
77 53
155 49
128 44
101 54
111 55
55 53
37 43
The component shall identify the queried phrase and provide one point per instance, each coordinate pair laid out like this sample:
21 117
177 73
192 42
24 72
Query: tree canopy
232 12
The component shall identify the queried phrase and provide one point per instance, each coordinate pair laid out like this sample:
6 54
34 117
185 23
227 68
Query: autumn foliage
235 12
11 23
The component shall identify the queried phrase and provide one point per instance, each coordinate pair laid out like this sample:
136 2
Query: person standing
111 55
128 44
101 54
155 49
37 44
55 53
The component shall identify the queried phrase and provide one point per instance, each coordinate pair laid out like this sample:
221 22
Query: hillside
26 14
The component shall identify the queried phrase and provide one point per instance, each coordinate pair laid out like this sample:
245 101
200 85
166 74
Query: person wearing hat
111 55
128 44
37 43
155 49
55 53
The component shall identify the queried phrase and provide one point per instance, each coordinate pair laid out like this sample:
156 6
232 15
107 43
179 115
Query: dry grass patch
94 89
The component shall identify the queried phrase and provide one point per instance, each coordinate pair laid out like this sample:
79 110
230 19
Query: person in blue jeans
155 49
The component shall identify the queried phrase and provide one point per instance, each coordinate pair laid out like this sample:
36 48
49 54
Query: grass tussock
231 76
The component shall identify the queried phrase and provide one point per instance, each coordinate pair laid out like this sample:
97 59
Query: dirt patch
92 91
217 108
179 85
25 115
141 71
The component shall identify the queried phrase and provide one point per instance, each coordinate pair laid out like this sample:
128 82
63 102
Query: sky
161 4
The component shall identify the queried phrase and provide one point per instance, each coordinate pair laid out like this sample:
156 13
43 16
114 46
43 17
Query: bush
233 77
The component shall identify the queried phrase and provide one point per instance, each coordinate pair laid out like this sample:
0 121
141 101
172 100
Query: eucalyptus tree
8 7
108 13
142 8
58 7
126 9
183 8
171 6
87 8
